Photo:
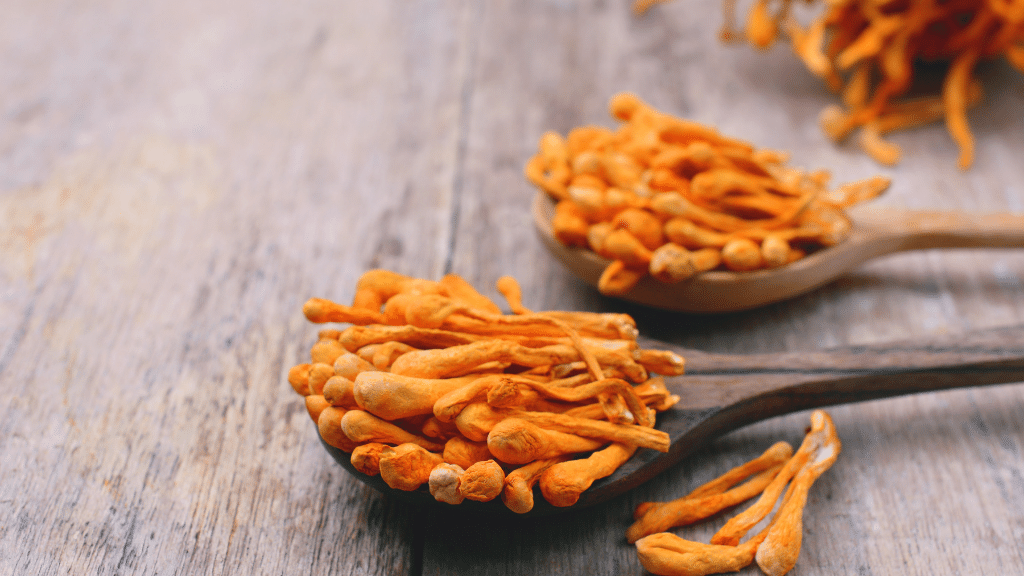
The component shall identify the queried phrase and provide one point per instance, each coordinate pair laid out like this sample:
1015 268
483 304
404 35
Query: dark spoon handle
765 385
721 393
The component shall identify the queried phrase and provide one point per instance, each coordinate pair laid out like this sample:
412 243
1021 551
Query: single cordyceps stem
669 555
458 450
366 457
477 419
430 311
499 391
627 434
319 310
781 548
550 169
375 287
587 391
569 224
338 391
658 518
349 365
319 374
388 352
407 466
517 441
482 481
458 360
392 396
588 324
329 424
315 404
741 255
298 377
518 492
363 427
671 263
563 483
775 251
447 407
461 291
434 428
662 362
326 350
444 483
621 245
685 234
509 288
618 279
396 306
356 337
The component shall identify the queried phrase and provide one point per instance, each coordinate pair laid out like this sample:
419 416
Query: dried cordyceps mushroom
777 546
711 498
482 481
867 49
672 198
434 385
407 466
780 549
518 491
669 555
444 483
366 458
563 483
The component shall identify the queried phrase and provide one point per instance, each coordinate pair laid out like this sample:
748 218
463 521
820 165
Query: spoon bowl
721 393
876 232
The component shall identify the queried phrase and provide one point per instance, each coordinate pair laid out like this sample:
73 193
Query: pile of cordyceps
673 198
432 384
780 478
867 51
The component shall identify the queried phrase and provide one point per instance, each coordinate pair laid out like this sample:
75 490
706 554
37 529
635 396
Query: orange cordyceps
434 385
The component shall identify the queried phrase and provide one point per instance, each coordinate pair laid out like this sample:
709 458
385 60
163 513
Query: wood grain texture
176 178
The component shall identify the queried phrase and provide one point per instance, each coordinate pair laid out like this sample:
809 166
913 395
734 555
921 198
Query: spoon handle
925 229
754 387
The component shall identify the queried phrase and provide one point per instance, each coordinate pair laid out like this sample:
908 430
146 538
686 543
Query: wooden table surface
177 178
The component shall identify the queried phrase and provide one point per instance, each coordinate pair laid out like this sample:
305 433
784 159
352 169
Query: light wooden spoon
876 232
721 393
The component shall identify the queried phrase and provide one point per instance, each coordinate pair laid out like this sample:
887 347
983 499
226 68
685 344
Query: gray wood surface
176 178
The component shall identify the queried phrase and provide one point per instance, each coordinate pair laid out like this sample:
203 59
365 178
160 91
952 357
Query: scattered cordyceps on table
776 547
433 385
867 50
672 198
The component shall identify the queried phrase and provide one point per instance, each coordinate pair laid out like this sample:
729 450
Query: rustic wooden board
176 178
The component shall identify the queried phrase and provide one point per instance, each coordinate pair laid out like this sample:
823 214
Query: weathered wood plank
177 178
176 186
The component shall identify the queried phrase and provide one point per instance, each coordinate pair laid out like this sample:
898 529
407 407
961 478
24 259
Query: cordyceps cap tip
624 104
313 309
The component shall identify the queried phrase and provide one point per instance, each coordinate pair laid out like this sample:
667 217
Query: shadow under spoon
721 393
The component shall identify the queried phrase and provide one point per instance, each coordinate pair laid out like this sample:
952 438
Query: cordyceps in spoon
667 212
672 198
470 403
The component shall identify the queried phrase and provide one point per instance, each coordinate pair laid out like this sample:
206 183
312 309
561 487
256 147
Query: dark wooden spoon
721 393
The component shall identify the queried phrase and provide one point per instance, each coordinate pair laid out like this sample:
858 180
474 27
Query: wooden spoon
876 232
721 393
